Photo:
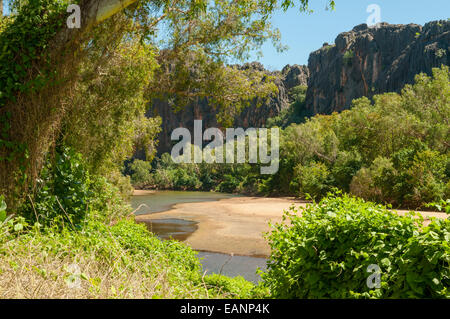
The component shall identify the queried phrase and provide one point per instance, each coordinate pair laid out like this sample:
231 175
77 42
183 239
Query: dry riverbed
235 225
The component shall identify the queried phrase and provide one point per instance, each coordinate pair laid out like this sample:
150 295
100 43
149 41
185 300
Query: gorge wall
252 116
368 61
362 62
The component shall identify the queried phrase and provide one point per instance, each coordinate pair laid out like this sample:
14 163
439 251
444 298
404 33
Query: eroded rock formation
367 61
362 62
252 116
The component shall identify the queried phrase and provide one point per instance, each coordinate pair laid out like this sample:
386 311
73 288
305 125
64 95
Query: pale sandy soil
235 225
140 192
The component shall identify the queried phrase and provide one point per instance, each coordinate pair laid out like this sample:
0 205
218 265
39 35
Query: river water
181 229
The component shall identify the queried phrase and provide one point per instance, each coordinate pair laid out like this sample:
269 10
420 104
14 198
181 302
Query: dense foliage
62 190
67 194
166 174
324 251
51 75
295 113
392 150
24 39
2 208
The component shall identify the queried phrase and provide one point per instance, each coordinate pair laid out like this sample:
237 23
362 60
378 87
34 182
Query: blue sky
304 33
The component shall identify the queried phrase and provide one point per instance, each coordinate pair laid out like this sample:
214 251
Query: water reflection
171 228
181 229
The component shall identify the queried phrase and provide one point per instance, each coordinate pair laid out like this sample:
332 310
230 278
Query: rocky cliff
362 62
367 61
252 116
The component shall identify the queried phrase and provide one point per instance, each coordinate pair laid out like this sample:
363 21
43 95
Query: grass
100 261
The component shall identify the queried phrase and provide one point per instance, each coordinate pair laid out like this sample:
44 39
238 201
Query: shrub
313 179
427 177
140 173
228 185
62 190
442 205
375 183
345 167
184 177
424 267
348 57
2 209
325 253
67 193
106 202
238 287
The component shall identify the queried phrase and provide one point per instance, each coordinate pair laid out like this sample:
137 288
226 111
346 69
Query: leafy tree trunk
31 119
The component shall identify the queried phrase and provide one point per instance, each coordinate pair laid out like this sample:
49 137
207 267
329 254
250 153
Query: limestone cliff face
368 61
362 62
251 116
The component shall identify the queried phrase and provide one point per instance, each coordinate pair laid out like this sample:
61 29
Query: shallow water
232 266
163 200
181 229
172 228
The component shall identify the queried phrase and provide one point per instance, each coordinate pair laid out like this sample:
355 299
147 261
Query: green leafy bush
424 266
348 57
345 167
410 178
375 183
140 173
391 150
229 184
2 208
107 202
325 253
238 287
68 193
442 206
62 190
313 179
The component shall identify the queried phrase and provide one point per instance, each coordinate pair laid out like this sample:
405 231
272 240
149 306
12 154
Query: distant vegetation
295 113
393 150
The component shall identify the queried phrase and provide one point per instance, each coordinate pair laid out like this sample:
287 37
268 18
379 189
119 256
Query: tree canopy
47 69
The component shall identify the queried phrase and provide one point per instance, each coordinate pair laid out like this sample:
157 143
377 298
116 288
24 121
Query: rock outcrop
363 62
368 61
252 116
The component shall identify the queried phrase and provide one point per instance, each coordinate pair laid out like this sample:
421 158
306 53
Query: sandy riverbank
234 225
142 192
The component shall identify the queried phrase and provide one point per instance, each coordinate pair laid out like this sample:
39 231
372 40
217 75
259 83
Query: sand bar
142 192
235 225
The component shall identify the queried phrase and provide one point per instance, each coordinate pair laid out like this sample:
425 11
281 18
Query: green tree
38 87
